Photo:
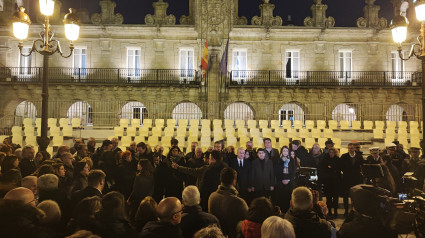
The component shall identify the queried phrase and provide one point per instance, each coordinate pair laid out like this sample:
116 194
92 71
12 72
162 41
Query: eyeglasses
34 200
178 212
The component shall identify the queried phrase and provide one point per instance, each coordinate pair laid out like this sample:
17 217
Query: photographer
364 221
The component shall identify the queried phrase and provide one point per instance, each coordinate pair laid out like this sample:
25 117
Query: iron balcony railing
249 78
102 75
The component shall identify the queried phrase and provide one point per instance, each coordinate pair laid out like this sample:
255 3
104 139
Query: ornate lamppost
46 46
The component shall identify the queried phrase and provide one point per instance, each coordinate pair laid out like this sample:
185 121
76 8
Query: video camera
307 176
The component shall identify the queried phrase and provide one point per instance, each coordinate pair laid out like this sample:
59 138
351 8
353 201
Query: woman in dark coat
113 217
126 174
284 171
10 173
169 182
331 179
143 185
81 171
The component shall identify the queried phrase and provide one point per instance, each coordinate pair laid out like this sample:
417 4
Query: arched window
186 110
239 111
396 113
81 110
26 109
291 112
344 112
134 110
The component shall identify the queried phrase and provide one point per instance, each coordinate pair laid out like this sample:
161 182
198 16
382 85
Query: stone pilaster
107 15
319 18
371 17
160 16
266 18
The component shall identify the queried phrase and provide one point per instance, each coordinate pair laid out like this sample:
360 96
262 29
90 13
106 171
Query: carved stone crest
319 18
107 15
267 19
371 18
160 16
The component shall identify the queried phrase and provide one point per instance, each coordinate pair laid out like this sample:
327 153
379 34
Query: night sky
345 12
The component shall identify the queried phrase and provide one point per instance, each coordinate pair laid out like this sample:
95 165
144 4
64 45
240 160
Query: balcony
113 76
269 78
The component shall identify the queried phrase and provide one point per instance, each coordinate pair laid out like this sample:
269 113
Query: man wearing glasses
169 212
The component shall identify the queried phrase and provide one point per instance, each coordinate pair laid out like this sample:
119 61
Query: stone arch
186 110
25 109
291 111
344 111
134 110
396 112
82 110
239 111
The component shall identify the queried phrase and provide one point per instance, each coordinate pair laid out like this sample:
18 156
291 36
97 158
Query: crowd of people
84 191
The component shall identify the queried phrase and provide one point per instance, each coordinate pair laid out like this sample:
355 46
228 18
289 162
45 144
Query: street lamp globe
72 25
47 7
420 9
398 27
21 23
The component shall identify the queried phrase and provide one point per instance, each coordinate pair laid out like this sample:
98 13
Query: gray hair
48 182
52 211
276 227
27 147
211 231
302 199
191 196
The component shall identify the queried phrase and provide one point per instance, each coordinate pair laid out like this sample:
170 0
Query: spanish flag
204 61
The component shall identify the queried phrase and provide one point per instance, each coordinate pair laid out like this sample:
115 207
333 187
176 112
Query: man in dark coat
243 168
374 157
96 182
195 161
97 156
211 178
169 212
350 164
271 153
193 218
28 164
305 221
262 180
300 152
226 205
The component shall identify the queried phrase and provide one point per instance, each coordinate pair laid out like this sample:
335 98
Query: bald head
21 194
169 209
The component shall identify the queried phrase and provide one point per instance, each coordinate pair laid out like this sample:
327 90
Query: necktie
240 164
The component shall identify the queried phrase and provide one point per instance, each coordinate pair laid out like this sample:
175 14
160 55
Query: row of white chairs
53 122
32 131
227 132
205 141
32 140
274 124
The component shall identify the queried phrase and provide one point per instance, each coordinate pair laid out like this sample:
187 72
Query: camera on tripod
307 176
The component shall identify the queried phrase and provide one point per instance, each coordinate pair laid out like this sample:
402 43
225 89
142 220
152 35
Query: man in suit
350 164
262 176
28 164
271 153
243 168
96 182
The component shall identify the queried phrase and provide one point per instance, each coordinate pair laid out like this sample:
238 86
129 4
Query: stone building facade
316 67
